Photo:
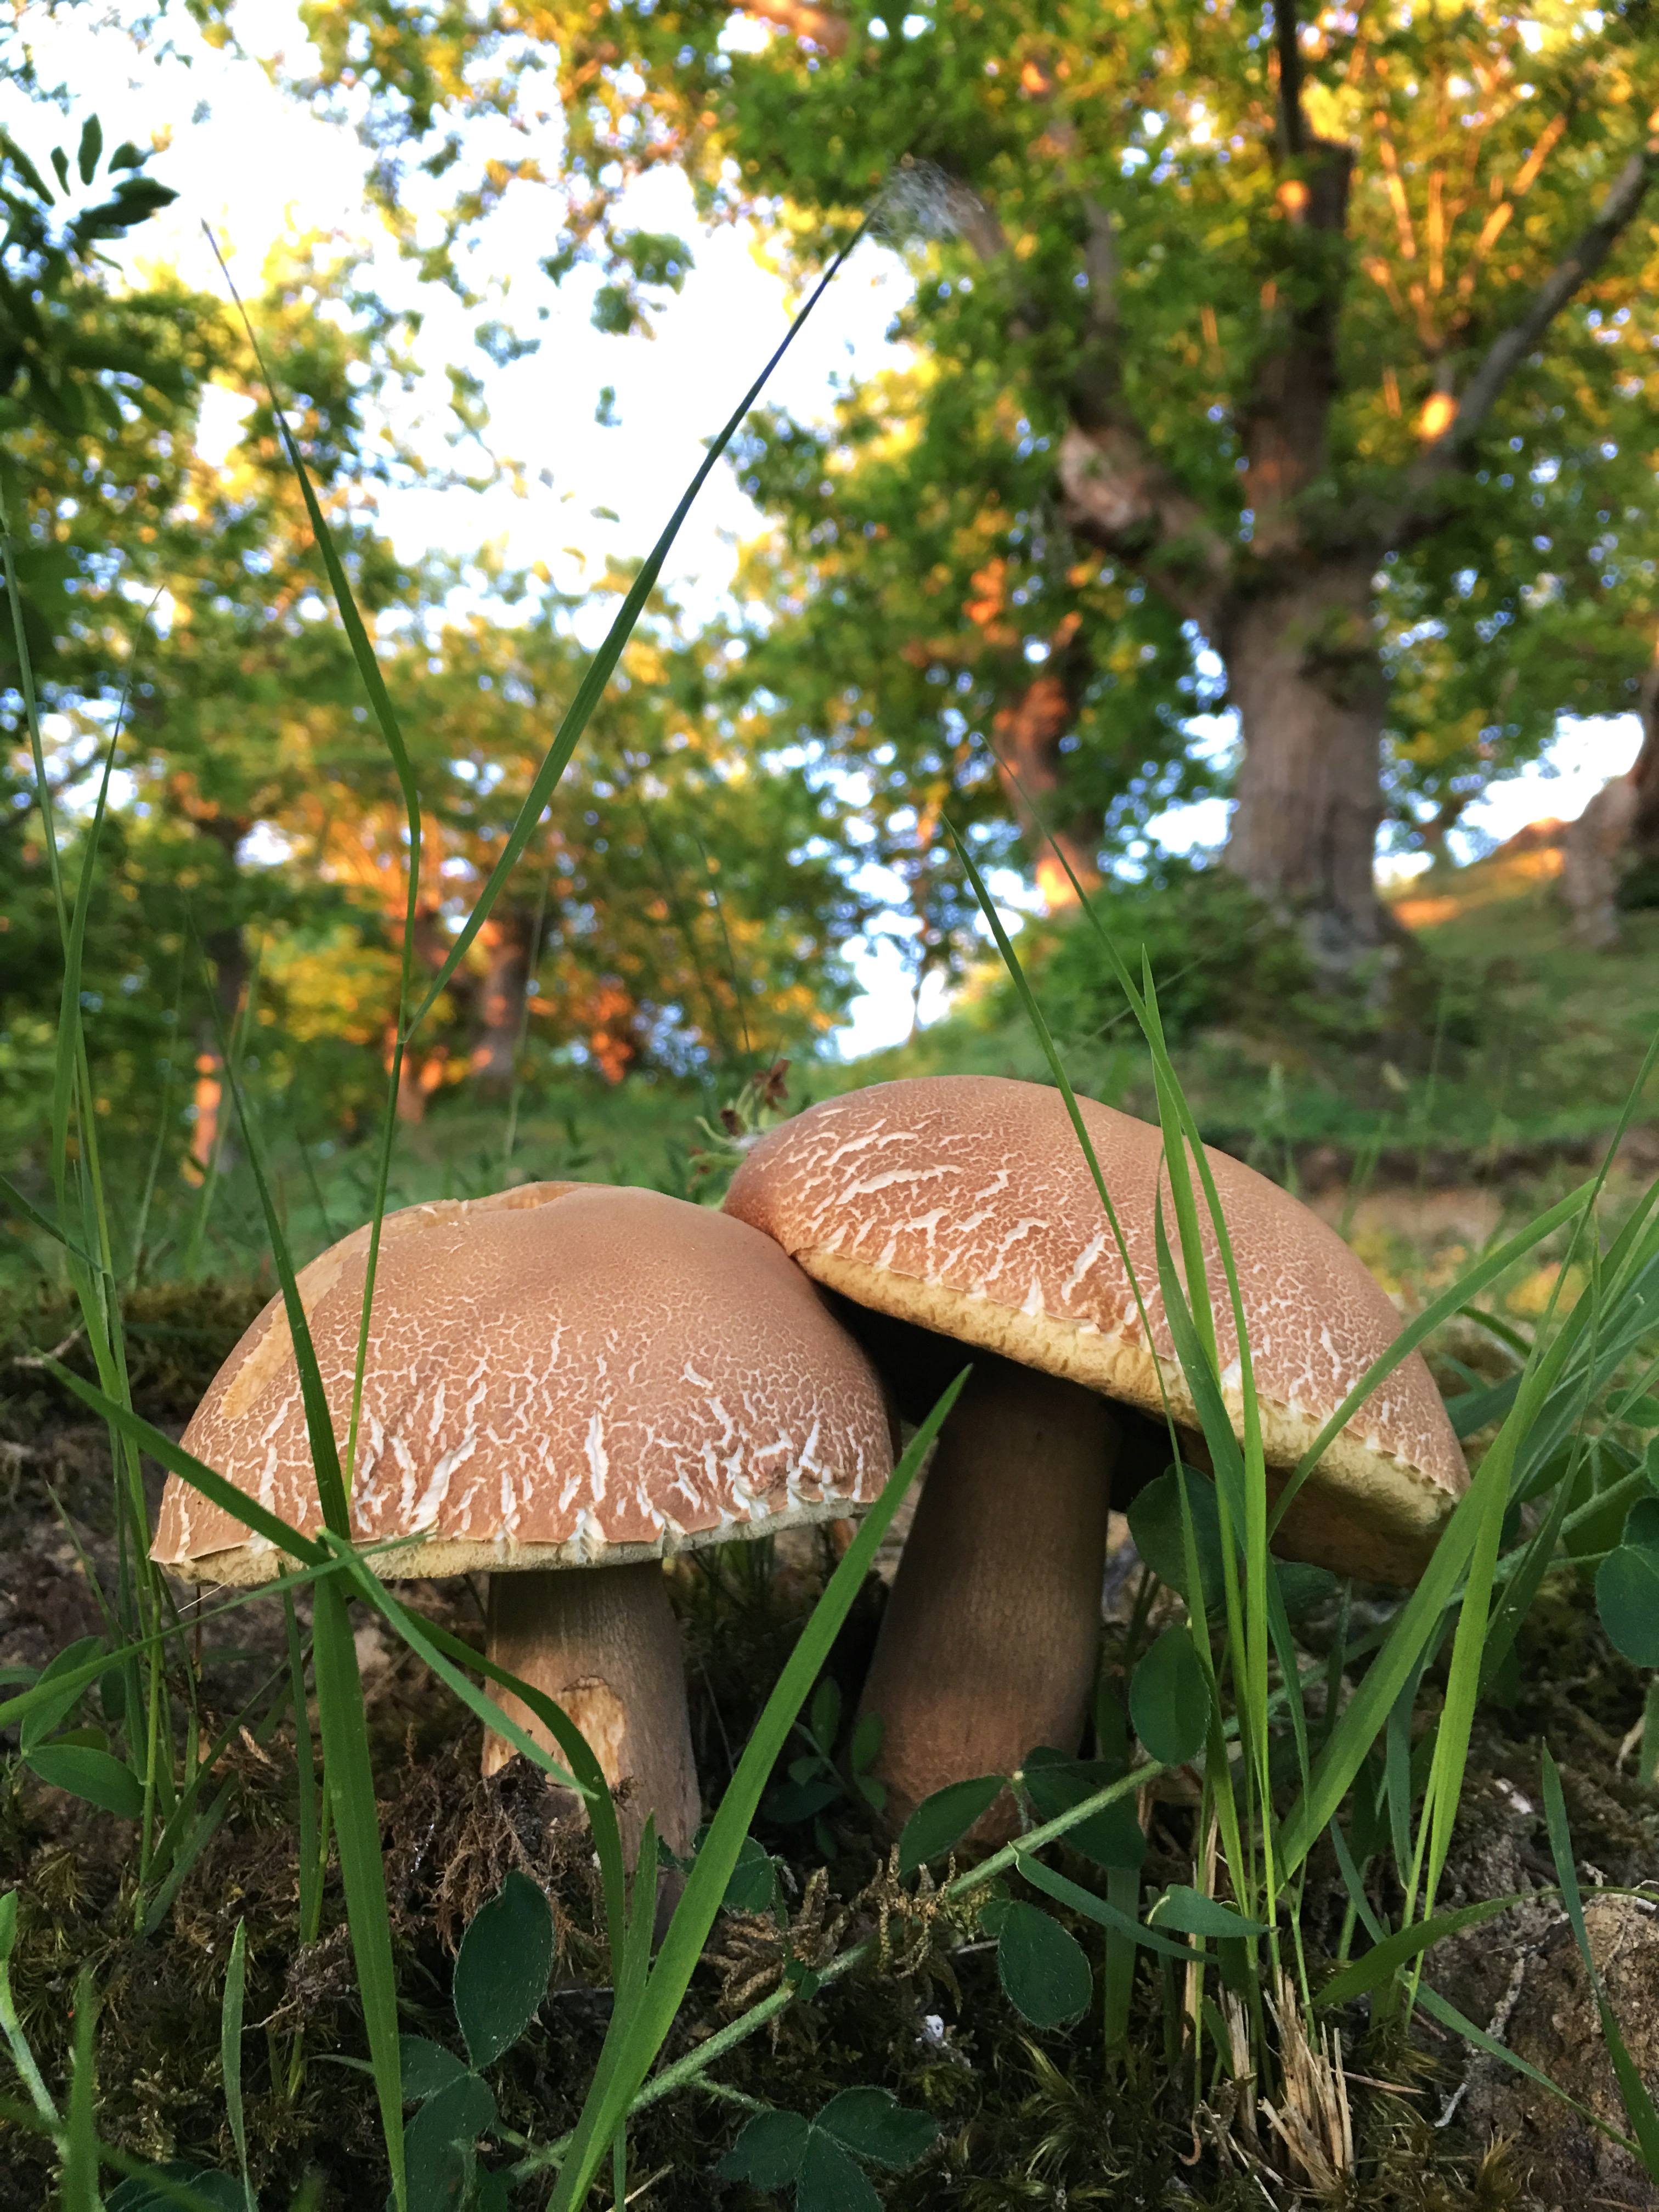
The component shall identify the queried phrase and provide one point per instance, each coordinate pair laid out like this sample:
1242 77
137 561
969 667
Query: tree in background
1328 332
680 901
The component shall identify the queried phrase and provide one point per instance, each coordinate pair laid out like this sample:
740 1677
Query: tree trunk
1303 673
506 938
226 955
1030 766
1617 832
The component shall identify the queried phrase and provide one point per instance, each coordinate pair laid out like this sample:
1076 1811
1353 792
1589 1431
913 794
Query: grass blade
80 2133
230 2053
350 1778
10 2025
1407 1945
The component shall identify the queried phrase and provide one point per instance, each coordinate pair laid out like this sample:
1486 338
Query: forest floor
1027 2119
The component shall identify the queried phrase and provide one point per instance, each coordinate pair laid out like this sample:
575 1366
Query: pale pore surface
964 1203
560 1375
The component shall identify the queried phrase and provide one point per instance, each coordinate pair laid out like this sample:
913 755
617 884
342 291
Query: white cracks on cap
1034 1307
1085 1261
436 1493
598 1465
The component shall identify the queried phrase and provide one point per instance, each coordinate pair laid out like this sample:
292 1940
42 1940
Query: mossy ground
1026 2118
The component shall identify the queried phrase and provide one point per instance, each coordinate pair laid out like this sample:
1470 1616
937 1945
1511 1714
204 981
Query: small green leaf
866 1742
1169 1699
439 2174
1627 1599
872 2123
1642 1524
754 1884
1194 1914
941 1821
1155 1524
800 1800
93 1775
500 1972
1112 1837
826 1715
1303 1587
830 2181
92 145
459 2113
489 2191
1644 1414
41 1720
768 2152
1042 1968
427 2067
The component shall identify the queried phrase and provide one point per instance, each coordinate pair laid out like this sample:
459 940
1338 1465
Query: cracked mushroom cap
964 1203
562 1375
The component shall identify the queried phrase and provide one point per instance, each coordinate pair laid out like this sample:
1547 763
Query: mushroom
562 1376
964 1204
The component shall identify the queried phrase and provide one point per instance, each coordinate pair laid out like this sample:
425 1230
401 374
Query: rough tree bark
225 952
1027 734
503 998
426 1062
1617 831
1304 674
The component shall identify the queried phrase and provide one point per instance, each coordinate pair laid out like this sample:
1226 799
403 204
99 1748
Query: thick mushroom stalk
988 1643
603 1644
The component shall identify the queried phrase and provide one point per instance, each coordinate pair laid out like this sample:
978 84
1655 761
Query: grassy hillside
1528 1044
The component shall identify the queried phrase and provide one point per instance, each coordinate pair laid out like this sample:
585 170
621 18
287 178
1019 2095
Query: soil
1026 2118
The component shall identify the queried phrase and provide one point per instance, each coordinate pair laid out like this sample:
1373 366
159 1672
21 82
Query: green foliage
1042 1968
1248 317
501 1969
501 1977
1627 1586
821 2158
1218 958
1169 1699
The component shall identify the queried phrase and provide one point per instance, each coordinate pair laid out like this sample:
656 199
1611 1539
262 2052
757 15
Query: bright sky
259 168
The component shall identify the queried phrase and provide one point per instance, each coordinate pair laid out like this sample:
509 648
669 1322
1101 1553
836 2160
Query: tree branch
1290 78
1452 449
1115 493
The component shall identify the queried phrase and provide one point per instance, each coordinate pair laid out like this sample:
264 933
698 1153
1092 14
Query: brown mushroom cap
964 1203
562 1375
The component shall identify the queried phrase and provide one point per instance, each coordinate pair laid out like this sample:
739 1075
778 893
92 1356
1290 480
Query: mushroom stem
602 1643
987 1646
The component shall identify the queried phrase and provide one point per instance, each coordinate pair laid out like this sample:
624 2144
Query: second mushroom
961 1210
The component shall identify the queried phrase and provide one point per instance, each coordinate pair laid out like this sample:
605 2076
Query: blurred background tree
682 903
1263 354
